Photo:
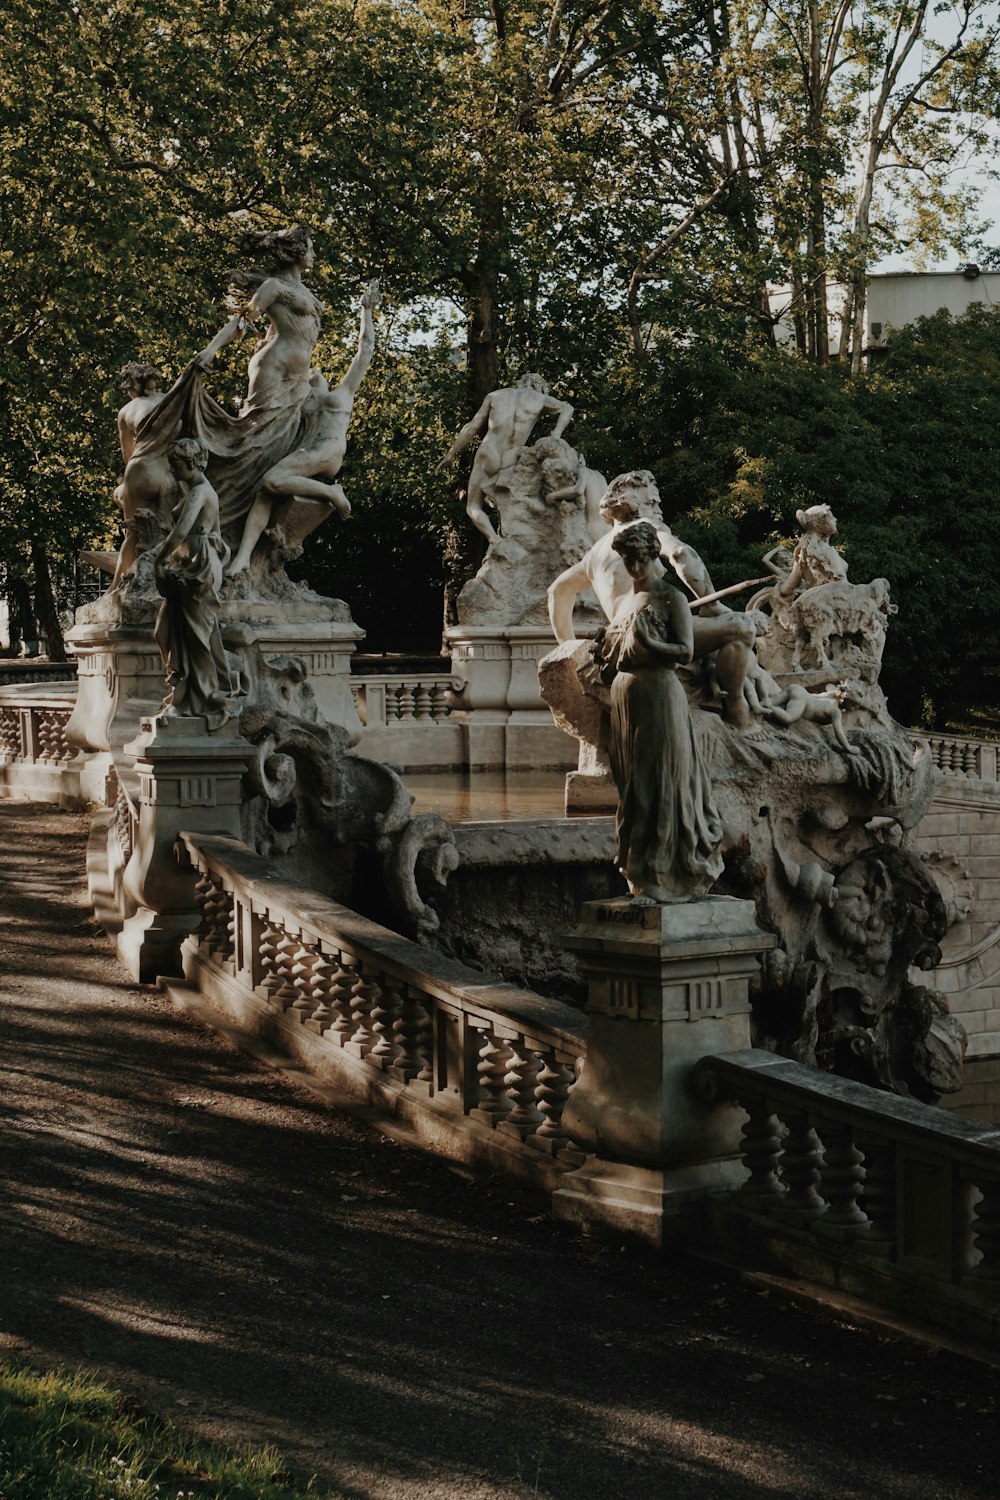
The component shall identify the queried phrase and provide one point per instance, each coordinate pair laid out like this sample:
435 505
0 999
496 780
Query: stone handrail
33 726
476 1063
884 1196
958 756
386 701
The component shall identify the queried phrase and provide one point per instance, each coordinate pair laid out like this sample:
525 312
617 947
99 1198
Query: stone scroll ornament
818 791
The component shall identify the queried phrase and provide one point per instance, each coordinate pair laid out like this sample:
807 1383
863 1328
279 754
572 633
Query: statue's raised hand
371 296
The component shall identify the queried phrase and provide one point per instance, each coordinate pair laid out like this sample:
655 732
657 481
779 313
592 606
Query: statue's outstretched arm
471 429
563 411
358 368
562 596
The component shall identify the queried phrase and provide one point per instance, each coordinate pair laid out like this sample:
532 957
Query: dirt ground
207 1235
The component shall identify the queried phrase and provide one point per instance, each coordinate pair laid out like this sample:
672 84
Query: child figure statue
668 827
188 572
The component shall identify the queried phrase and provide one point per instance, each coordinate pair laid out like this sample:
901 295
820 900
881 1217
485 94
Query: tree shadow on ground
215 1240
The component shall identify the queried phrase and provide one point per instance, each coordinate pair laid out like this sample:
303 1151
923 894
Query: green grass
67 1437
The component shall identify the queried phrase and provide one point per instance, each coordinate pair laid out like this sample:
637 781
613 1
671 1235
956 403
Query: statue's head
637 545
534 383
280 247
819 519
140 380
630 497
187 454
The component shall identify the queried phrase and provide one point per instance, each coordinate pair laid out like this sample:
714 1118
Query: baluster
341 989
10 733
284 992
323 1012
555 1080
364 994
385 1008
878 1196
439 705
761 1137
411 1034
842 1180
392 707
270 978
521 1079
305 1000
406 700
494 1057
202 896
232 925
422 702
986 1233
799 1168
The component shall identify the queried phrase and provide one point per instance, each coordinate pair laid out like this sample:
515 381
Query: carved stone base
666 986
615 1200
505 722
188 780
591 791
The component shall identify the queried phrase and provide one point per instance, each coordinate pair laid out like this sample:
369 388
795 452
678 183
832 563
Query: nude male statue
508 416
297 474
633 497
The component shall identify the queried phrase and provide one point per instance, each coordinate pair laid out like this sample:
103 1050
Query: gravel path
206 1234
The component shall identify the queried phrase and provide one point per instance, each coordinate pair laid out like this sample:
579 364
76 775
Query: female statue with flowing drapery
276 415
668 828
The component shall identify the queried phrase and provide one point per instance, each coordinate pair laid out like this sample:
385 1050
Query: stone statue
508 416
668 829
822 625
548 516
144 479
721 631
815 561
188 572
566 480
309 471
274 418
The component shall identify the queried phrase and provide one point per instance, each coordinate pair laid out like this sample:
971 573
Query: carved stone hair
191 450
280 247
637 541
135 377
275 248
536 382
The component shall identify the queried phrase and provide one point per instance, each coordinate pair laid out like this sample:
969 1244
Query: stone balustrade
37 761
479 1068
35 730
388 701
884 1197
957 756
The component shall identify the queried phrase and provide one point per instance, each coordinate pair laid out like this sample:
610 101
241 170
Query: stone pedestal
190 780
667 986
506 724
118 664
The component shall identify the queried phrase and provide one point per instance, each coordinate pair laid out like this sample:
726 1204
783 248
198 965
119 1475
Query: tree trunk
45 603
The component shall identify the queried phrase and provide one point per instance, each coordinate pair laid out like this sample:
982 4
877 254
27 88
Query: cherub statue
188 573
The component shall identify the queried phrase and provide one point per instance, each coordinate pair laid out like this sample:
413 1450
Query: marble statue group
749 749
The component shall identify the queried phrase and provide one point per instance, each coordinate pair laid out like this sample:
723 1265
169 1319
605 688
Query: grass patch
67 1437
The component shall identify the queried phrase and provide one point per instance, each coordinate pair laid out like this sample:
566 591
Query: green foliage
71 1438
739 437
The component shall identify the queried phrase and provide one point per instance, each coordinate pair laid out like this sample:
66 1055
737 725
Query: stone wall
960 835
